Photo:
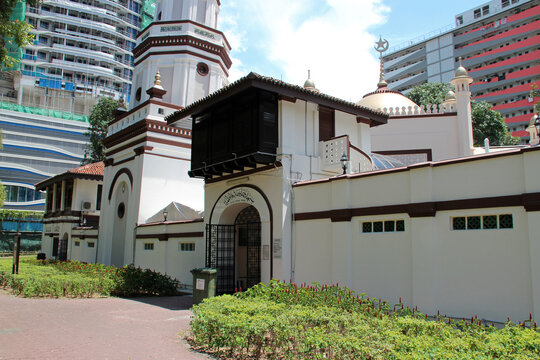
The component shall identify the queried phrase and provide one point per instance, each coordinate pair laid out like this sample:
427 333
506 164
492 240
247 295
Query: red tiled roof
97 168
94 171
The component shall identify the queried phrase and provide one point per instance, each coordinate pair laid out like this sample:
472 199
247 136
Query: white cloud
330 37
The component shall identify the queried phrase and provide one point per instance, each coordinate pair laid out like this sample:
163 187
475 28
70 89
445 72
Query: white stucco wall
438 133
492 273
169 176
85 190
166 257
85 252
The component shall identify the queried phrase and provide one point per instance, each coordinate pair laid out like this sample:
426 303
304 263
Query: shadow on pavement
182 302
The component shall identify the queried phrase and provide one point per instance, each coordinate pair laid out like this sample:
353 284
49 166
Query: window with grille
383 226
485 222
91 244
187 246
77 243
149 246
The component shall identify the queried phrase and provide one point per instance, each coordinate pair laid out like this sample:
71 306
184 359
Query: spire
310 84
461 71
381 46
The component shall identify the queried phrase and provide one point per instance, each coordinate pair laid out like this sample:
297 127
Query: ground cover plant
286 321
76 279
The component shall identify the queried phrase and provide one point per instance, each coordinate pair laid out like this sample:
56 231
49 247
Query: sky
332 38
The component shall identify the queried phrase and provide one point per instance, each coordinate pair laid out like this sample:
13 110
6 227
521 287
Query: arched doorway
238 239
248 248
63 248
235 250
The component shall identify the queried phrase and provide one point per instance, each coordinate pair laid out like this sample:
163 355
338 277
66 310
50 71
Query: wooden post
16 252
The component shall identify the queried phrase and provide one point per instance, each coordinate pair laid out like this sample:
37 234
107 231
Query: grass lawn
75 279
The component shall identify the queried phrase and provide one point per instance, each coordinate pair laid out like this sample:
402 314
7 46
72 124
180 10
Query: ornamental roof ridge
251 79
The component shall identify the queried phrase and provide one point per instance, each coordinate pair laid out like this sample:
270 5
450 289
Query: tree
429 93
487 123
13 32
100 117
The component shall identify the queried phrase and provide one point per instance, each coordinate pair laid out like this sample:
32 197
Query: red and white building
499 42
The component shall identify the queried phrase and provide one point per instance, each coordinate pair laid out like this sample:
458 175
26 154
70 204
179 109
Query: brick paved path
107 328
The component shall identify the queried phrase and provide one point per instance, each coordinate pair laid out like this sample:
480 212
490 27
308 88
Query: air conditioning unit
87 206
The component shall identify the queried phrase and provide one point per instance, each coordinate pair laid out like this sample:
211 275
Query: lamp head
344 159
165 213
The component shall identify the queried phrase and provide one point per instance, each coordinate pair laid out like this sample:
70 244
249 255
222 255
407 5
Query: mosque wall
438 133
172 248
165 167
459 236
269 193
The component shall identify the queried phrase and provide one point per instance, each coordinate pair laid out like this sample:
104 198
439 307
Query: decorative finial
461 72
381 46
157 82
310 84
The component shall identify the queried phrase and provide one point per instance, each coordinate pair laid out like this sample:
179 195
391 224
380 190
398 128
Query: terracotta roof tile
97 168
94 171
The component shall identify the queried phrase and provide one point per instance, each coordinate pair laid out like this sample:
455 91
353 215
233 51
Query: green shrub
284 321
132 281
75 279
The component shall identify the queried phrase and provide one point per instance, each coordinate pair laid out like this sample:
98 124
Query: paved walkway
107 328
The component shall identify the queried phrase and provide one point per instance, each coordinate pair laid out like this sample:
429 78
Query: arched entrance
119 231
238 239
248 248
63 248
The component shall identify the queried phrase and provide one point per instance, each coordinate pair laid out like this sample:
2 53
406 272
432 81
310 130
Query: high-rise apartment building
82 51
499 42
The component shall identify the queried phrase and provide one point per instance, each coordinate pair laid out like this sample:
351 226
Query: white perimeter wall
85 252
166 257
492 273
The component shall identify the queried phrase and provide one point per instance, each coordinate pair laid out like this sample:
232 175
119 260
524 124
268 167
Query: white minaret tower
184 46
461 81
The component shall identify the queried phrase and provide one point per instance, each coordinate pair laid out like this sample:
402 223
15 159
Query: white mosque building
263 179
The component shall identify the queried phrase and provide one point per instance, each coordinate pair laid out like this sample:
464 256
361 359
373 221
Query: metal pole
16 252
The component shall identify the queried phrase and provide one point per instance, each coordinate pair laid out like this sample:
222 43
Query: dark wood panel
326 123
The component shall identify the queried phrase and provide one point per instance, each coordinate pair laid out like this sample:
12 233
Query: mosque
262 179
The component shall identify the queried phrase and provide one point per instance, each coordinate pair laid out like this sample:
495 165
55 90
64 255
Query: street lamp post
344 159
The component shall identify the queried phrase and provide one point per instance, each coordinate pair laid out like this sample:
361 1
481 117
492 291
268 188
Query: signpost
16 252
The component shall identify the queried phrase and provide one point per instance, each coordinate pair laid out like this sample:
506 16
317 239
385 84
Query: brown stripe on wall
84 236
530 201
165 237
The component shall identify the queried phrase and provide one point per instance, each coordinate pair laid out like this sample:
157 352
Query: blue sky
333 38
